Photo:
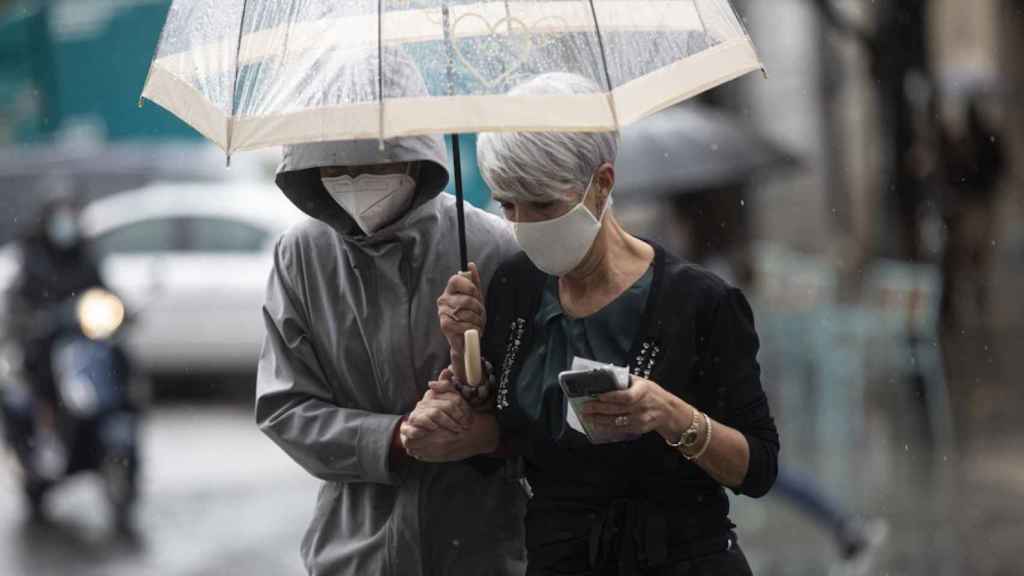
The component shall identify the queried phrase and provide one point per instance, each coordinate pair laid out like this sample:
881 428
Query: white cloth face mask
557 246
372 200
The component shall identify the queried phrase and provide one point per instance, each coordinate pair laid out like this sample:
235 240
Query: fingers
419 419
463 284
597 407
434 420
448 411
456 408
430 447
621 397
452 329
410 432
436 412
635 423
638 390
459 313
462 309
446 422
475 275
443 387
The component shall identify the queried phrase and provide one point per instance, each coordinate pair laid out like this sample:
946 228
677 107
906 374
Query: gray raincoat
352 340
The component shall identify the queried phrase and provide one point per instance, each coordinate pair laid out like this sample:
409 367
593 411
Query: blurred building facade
71 72
825 100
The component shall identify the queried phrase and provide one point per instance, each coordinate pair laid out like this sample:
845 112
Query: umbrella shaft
459 203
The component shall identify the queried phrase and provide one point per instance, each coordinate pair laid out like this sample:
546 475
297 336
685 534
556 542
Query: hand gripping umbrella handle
472 357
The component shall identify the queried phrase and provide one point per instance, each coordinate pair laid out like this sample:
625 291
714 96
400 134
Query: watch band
688 439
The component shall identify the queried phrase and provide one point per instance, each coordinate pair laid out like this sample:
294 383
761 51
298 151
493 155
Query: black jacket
47 276
697 340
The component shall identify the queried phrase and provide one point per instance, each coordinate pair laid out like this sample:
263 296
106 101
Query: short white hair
545 166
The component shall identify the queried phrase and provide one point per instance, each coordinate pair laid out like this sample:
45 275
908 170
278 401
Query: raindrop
906 447
743 202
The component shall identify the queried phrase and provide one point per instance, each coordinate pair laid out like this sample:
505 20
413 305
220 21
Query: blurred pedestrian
860 541
352 341
972 164
55 264
721 249
696 413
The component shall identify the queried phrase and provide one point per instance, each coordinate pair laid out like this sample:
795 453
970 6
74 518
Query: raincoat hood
299 173
299 176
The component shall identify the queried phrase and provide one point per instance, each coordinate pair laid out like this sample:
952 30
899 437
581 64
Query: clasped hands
444 428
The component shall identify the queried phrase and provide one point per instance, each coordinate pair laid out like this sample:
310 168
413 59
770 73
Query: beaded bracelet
707 442
480 395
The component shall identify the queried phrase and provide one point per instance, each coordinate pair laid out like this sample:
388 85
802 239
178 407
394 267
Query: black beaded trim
643 365
512 344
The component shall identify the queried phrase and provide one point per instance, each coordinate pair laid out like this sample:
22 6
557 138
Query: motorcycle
92 422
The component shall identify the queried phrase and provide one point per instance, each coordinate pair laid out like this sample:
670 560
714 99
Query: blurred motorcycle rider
55 264
352 340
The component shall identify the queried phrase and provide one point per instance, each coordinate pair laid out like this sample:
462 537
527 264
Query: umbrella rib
380 71
234 85
604 64
156 52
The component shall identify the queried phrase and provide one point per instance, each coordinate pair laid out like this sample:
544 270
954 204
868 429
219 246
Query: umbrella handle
472 357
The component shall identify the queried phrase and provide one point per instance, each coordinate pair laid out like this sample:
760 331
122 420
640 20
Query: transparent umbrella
250 74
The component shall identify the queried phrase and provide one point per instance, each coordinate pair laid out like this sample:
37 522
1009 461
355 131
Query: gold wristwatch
689 437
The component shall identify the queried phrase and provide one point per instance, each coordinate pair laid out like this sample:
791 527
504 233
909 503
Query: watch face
690 437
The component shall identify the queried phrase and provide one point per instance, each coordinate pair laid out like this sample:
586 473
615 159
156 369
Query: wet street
218 498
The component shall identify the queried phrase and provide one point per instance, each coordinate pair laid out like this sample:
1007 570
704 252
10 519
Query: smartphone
586 381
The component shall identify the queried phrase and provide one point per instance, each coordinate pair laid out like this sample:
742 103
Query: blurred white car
192 261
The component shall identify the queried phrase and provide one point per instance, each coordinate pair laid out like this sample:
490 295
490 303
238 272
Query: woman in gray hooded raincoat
352 342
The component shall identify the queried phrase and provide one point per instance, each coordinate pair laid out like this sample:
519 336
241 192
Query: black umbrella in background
693 147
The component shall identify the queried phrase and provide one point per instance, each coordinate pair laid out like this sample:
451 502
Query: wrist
397 452
678 419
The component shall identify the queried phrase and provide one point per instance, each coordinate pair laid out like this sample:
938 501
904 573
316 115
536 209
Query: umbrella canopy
255 74
693 147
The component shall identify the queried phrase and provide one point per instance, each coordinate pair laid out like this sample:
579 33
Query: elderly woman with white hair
695 419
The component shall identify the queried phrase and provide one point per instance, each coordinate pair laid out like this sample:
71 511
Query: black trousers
625 539
732 562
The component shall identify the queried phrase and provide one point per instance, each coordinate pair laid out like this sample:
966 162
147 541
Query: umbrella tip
140 101
227 159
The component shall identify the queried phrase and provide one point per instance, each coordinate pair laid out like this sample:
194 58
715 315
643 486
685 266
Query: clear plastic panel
199 45
302 57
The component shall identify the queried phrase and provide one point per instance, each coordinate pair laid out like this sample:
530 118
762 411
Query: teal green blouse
605 336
